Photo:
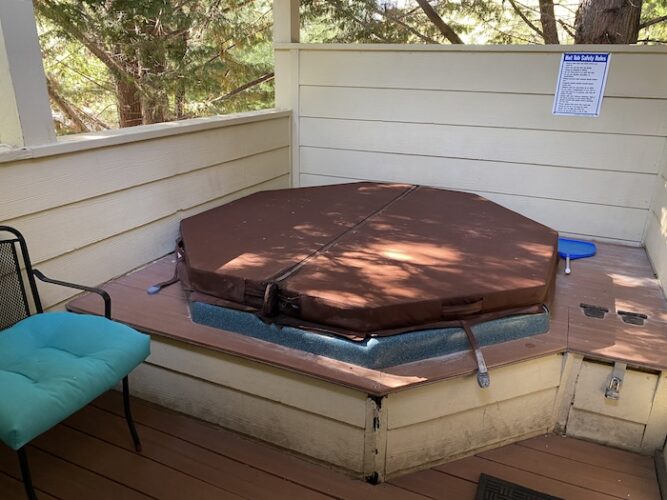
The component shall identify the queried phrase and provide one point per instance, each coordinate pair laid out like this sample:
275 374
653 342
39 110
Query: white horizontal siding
568 149
480 120
483 109
656 232
92 213
529 72
618 224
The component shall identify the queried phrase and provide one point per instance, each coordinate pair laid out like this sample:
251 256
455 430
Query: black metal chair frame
31 274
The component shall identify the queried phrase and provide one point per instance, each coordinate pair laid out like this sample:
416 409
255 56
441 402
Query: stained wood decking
619 278
90 456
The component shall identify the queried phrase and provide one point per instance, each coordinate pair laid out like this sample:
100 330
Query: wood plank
166 316
528 71
259 455
12 489
483 109
470 469
62 479
567 149
462 394
76 225
121 466
593 454
153 273
35 185
434 484
600 221
198 462
600 479
625 189
611 338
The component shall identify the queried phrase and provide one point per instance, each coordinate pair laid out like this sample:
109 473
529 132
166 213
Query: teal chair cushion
53 364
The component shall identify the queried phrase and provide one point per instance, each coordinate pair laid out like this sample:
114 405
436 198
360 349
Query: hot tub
373 274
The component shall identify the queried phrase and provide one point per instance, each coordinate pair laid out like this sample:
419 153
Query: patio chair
54 364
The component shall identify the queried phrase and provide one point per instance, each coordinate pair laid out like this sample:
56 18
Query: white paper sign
581 81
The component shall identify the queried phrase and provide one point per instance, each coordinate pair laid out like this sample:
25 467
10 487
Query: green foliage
174 59
178 58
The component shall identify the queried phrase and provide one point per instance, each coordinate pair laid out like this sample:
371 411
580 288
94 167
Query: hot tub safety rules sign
581 81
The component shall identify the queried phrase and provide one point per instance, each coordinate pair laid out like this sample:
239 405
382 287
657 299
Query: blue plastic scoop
574 249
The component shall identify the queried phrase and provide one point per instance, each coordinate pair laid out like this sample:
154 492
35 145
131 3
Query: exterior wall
95 206
656 234
479 119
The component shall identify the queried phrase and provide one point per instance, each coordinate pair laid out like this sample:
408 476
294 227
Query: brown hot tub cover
368 259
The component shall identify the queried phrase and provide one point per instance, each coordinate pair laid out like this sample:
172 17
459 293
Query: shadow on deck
90 456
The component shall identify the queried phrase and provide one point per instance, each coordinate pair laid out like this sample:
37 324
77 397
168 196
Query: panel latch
592 311
613 389
633 318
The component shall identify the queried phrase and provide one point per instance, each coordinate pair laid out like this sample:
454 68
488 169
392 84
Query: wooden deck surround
618 277
383 424
90 456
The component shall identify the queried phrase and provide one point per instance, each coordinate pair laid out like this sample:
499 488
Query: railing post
286 30
25 113
286 21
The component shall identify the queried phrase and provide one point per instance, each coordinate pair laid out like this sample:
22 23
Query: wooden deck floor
90 457
619 278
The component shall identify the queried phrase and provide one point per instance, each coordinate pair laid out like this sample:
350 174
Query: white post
25 113
286 30
286 21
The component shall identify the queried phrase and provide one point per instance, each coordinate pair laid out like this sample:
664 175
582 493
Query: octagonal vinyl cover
368 259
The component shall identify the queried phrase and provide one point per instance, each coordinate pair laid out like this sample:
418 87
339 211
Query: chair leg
25 474
128 414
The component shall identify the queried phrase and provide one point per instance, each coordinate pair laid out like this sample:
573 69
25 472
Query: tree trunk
608 21
130 113
435 18
548 20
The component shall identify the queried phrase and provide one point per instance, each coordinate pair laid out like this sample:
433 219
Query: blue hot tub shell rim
372 352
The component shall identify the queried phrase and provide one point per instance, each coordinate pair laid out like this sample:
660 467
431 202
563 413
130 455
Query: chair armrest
105 296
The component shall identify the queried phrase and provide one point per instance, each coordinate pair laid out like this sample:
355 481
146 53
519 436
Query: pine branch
403 24
51 11
69 110
568 29
525 19
651 22
245 86
439 22
336 4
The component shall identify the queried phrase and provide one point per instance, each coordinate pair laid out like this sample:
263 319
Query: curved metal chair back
18 291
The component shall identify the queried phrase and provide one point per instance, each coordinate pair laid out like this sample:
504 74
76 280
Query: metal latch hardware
633 318
613 389
594 311
483 379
